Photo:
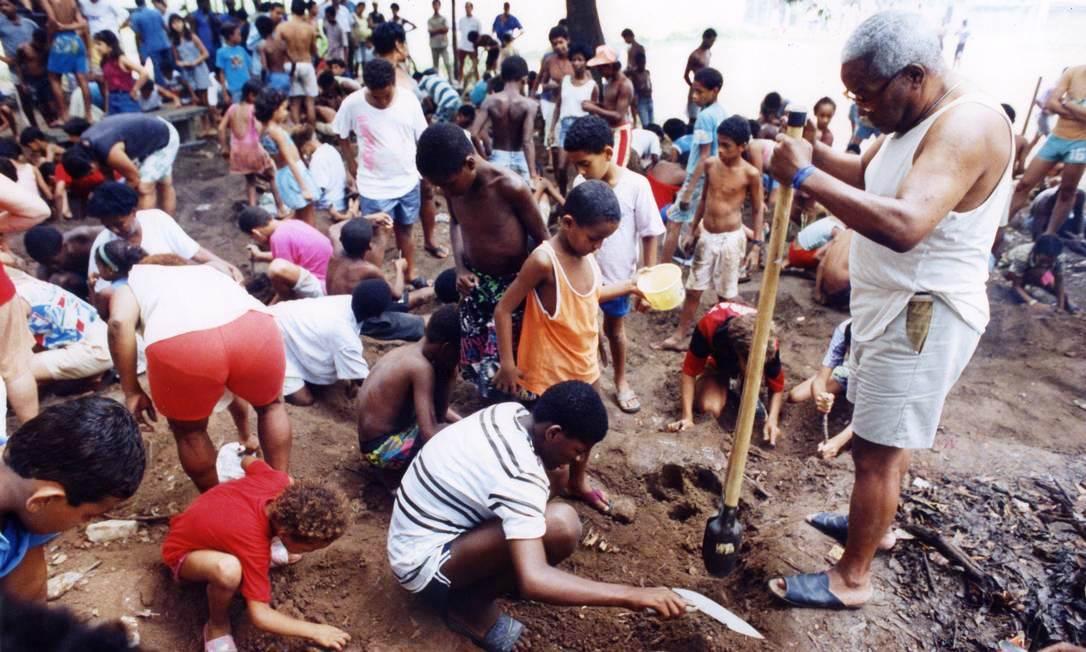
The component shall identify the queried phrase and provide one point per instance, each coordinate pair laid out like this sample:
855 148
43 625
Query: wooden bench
185 119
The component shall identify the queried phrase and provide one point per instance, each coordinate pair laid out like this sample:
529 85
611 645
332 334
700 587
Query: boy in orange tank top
559 285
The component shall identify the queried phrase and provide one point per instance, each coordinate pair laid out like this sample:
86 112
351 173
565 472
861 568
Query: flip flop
221 644
810 590
628 402
437 251
502 636
831 524
419 282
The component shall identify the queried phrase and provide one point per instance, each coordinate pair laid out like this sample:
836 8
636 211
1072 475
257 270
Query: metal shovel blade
717 612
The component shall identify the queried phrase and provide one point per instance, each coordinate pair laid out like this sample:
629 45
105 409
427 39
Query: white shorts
898 381
547 108
303 80
158 166
308 286
292 384
717 257
83 359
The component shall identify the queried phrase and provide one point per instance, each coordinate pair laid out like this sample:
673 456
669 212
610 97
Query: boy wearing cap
615 107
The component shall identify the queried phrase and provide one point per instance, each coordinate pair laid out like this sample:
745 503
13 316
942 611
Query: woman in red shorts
204 335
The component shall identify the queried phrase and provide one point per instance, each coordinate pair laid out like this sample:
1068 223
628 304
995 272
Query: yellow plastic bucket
662 286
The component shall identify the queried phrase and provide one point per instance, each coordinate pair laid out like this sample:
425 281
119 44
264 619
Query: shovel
723 532
717 612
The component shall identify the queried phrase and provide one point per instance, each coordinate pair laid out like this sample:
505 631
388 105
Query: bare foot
249 443
670 344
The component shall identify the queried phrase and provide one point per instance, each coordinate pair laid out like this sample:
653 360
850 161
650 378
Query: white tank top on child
181 299
950 263
573 95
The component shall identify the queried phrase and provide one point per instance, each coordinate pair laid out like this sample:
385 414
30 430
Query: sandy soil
1010 417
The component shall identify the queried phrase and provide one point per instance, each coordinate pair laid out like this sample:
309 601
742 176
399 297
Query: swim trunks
393 451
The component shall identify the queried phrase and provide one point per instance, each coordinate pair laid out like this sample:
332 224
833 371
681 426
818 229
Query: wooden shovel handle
767 301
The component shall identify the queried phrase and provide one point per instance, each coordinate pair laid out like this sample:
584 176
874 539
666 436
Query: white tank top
950 263
573 95
182 299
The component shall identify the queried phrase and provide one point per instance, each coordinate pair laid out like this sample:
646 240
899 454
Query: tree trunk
584 23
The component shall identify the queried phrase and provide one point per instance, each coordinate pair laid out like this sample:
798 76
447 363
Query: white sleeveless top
950 263
572 96
181 299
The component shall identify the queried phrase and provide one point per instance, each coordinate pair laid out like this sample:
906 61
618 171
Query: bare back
344 273
299 37
833 270
494 238
275 54
726 188
508 113
386 401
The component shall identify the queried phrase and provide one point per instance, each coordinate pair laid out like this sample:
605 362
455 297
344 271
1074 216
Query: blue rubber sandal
502 637
831 524
810 590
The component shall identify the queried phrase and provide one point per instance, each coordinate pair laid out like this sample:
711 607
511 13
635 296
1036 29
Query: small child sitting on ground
830 380
405 400
1038 264
357 259
321 338
224 539
560 287
718 354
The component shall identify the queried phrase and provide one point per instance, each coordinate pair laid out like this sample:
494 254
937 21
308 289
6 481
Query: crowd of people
559 187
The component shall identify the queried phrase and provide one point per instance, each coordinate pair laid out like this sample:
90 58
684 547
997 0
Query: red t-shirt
7 288
84 186
701 350
230 518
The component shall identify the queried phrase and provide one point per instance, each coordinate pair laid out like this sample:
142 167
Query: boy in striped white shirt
472 518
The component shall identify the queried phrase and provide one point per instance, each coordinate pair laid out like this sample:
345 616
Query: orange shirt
559 347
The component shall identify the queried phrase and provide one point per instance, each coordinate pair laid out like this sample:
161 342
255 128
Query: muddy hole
664 482
707 480
682 512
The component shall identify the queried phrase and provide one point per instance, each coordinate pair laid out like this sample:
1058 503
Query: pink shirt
301 244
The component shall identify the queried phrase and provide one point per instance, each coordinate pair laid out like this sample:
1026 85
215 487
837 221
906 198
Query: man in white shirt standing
104 15
386 122
465 49
924 204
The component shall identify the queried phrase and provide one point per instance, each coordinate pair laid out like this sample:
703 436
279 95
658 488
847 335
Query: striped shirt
480 468
446 99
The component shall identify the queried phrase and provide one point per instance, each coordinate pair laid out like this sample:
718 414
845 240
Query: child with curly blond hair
225 539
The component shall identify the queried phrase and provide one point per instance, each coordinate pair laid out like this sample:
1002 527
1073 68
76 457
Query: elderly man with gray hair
924 201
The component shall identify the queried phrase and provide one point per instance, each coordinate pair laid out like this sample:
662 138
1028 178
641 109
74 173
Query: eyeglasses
869 99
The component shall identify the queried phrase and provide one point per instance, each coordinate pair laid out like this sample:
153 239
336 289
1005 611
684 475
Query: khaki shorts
16 343
717 257
83 359
308 286
898 381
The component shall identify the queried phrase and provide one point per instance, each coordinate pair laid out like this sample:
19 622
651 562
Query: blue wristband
801 175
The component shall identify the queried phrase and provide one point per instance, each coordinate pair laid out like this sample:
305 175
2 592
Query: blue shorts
289 190
768 182
67 54
122 102
619 307
1063 150
677 214
404 210
515 161
280 81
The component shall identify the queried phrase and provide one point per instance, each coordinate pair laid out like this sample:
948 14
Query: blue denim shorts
404 210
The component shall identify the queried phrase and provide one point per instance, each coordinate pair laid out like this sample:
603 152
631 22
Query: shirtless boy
34 87
832 285
67 51
511 116
697 60
300 38
717 229
62 258
553 69
405 400
495 224
615 107
354 262
1066 144
273 55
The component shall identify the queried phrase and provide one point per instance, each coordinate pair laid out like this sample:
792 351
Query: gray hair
891 40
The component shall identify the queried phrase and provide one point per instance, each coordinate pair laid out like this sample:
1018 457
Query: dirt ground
1012 416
